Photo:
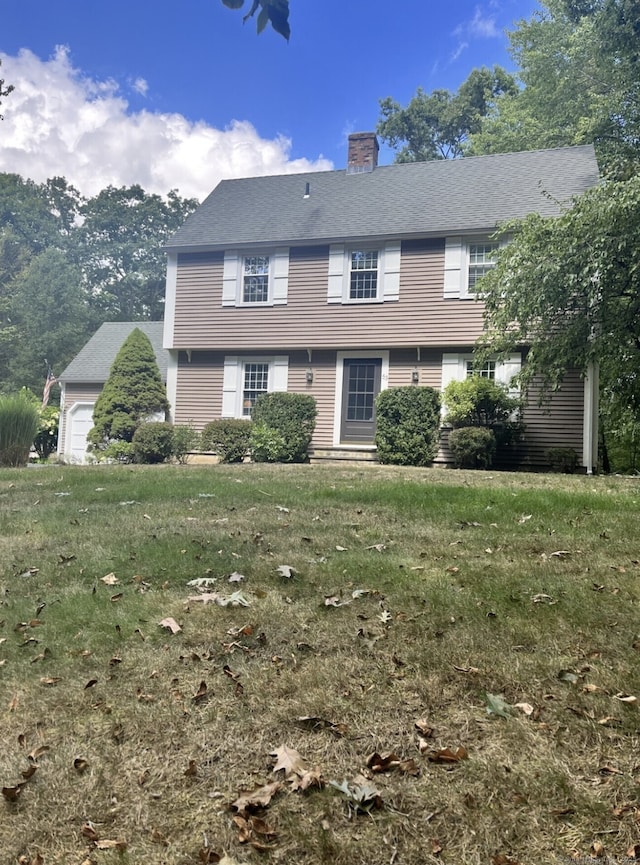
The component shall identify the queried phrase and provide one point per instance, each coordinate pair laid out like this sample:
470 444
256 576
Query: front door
361 384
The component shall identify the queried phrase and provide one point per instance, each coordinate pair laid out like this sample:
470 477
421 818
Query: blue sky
180 95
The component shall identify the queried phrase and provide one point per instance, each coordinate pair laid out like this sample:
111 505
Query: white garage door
80 419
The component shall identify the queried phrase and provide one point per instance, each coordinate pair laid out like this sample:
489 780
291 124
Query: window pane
256 381
487 370
361 392
480 261
363 282
256 279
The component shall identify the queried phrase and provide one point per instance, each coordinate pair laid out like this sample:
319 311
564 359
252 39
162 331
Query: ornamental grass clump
19 422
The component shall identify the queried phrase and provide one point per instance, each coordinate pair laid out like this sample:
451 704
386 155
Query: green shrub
268 445
19 421
185 440
46 440
563 460
408 425
115 452
133 392
229 438
479 401
291 418
153 442
472 447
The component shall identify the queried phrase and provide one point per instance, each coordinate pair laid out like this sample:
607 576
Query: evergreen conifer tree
134 391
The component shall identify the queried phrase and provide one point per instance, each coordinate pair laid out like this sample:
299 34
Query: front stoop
342 455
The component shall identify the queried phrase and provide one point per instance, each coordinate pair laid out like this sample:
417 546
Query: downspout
590 420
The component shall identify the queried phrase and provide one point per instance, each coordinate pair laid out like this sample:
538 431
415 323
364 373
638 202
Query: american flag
49 383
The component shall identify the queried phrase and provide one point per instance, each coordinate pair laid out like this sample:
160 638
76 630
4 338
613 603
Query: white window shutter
280 275
230 384
230 278
451 369
336 273
391 276
453 267
280 373
507 368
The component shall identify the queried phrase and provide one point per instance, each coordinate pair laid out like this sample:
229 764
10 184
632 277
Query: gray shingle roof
93 362
420 198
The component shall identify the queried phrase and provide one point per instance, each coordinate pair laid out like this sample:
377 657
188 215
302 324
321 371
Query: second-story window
255 279
481 260
363 275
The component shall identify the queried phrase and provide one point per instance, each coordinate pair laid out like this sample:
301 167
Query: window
245 378
486 370
256 381
466 260
481 260
255 279
363 275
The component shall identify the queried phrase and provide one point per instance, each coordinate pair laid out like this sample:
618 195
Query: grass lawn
374 665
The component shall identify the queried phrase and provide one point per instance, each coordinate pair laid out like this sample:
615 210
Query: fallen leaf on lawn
379 547
447 756
625 698
89 832
203 581
597 849
286 571
568 676
80 764
385 616
171 625
524 518
50 680
38 752
288 760
424 727
30 772
283 510
633 853
497 705
501 859
436 846
361 793
236 577
590 689
118 845
201 694
560 554
315 723
526 708
110 579
117 597
312 778
609 770
12 794
335 601
387 762
543 599
259 798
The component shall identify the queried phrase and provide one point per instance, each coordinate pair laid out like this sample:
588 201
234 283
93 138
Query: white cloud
141 86
481 26
58 122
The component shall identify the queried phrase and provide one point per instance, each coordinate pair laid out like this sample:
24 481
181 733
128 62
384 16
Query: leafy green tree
578 71
437 125
50 319
133 392
274 12
569 286
119 247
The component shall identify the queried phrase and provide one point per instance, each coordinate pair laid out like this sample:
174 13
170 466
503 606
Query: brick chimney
363 152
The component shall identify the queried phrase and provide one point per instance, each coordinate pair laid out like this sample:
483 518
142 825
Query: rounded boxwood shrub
228 438
473 447
153 442
286 421
408 425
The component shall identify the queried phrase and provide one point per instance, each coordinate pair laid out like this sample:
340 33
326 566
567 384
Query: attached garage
82 381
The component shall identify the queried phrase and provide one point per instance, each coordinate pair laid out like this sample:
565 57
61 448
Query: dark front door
361 385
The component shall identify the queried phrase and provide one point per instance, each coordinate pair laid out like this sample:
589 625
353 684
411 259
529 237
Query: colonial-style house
84 378
340 283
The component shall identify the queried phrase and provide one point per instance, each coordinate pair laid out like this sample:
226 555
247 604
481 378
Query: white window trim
454 368
339 281
233 380
341 356
456 265
233 277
